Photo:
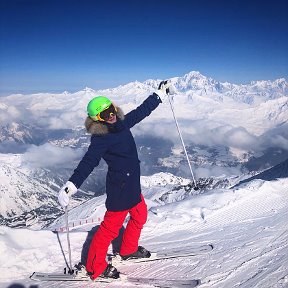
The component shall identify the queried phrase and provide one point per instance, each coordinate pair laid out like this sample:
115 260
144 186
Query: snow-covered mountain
27 201
23 199
229 130
202 104
256 91
198 98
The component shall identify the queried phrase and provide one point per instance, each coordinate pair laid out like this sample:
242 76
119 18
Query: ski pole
182 141
68 241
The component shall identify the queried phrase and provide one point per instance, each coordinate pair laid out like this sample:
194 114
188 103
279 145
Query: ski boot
110 272
140 253
80 271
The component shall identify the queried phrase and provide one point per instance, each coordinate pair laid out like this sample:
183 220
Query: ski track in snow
249 235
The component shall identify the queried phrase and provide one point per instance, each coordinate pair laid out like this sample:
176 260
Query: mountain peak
194 74
88 90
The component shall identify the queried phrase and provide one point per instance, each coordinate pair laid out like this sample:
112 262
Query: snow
247 225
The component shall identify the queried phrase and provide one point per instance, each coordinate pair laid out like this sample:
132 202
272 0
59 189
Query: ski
38 276
139 281
80 273
166 254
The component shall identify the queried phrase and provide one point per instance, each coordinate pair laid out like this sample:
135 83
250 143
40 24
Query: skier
112 140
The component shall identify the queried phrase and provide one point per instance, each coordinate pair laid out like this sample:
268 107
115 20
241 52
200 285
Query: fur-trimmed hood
101 128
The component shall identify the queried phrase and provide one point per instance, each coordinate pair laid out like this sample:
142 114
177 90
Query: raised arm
150 104
142 111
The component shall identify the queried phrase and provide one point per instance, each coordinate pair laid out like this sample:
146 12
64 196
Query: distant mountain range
22 115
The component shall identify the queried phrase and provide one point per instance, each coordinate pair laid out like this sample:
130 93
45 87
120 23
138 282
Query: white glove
65 193
165 88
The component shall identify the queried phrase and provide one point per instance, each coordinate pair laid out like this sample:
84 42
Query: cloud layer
49 156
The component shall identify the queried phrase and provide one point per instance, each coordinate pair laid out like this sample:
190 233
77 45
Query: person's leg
108 230
138 217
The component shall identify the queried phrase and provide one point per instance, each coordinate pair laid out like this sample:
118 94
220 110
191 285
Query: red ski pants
109 230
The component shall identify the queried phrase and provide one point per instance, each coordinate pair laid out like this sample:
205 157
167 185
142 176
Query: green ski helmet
97 105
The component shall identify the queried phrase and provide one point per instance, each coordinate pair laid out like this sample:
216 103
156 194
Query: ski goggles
107 113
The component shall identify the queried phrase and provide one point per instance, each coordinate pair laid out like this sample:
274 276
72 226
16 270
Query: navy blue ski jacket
115 144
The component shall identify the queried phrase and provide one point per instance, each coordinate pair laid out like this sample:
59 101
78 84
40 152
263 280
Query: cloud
10 113
66 119
13 147
206 124
164 129
47 155
280 141
47 118
216 171
211 133
240 138
200 133
276 137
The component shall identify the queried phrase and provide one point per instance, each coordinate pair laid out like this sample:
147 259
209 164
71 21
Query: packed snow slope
246 224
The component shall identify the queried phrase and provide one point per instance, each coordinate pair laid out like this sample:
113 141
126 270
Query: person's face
108 115
112 119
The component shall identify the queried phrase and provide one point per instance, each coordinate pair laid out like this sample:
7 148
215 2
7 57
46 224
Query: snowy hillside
24 200
246 224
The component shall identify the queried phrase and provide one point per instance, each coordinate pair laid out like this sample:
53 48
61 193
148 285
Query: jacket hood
101 128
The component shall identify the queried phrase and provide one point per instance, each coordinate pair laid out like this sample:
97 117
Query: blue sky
57 45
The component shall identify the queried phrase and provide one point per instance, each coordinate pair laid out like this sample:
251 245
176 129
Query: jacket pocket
117 179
